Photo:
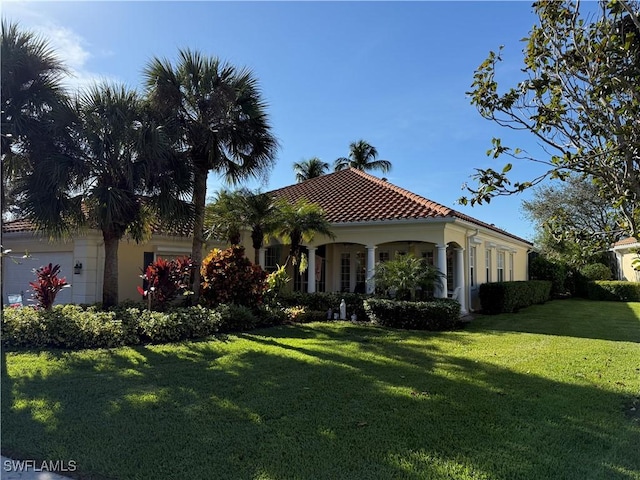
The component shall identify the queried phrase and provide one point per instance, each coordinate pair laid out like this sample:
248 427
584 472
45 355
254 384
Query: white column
442 268
262 256
371 268
459 280
311 270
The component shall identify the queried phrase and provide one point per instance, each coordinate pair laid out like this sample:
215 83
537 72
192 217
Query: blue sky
392 73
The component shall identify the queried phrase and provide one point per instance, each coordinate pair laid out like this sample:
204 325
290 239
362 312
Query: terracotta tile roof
22 225
352 196
625 241
18 226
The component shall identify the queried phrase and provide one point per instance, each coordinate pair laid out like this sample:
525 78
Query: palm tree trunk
199 200
110 281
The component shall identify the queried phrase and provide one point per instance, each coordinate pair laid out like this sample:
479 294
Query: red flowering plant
47 285
164 280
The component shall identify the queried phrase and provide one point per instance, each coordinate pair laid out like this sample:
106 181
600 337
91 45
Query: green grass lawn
549 393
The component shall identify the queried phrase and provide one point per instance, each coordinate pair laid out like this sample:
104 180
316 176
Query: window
383 257
472 266
345 272
272 258
511 267
361 272
450 285
501 266
428 256
487 263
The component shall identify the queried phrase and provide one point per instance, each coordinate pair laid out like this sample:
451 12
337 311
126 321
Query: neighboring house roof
22 225
625 242
15 226
352 196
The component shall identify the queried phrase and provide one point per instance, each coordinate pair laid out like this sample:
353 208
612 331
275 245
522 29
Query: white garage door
16 274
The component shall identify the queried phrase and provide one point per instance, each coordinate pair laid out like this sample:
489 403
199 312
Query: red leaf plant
47 285
164 280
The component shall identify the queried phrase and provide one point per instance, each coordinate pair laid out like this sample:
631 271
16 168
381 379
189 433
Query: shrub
541 268
164 280
405 275
76 327
323 301
614 291
47 285
436 314
506 297
236 318
304 315
230 277
596 271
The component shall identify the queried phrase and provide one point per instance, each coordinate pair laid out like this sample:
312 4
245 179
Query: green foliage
304 315
47 285
613 291
578 98
542 268
235 317
323 301
362 156
436 314
76 327
596 271
298 222
308 169
574 224
165 279
507 297
230 277
405 275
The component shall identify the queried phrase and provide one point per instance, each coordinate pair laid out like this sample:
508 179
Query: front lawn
550 392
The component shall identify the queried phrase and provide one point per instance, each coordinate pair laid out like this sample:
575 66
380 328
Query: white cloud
73 50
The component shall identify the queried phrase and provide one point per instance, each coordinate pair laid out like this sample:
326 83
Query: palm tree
32 101
298 222
121 156
231 212
219 120
261 217
224 218
308 169
362 156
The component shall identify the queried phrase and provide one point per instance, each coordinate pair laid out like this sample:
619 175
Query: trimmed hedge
612 290
507 297
323 301
77 327
437 314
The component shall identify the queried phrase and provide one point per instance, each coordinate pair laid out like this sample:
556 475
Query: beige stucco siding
625 257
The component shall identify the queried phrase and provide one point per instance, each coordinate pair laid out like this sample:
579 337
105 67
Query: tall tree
573 223
121 156
33 101
362 156
218 117
308 169
298 222
579 99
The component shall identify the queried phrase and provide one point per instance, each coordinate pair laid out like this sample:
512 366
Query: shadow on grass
311 403
617 321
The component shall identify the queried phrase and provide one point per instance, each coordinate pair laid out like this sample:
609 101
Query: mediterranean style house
626 251
372 220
